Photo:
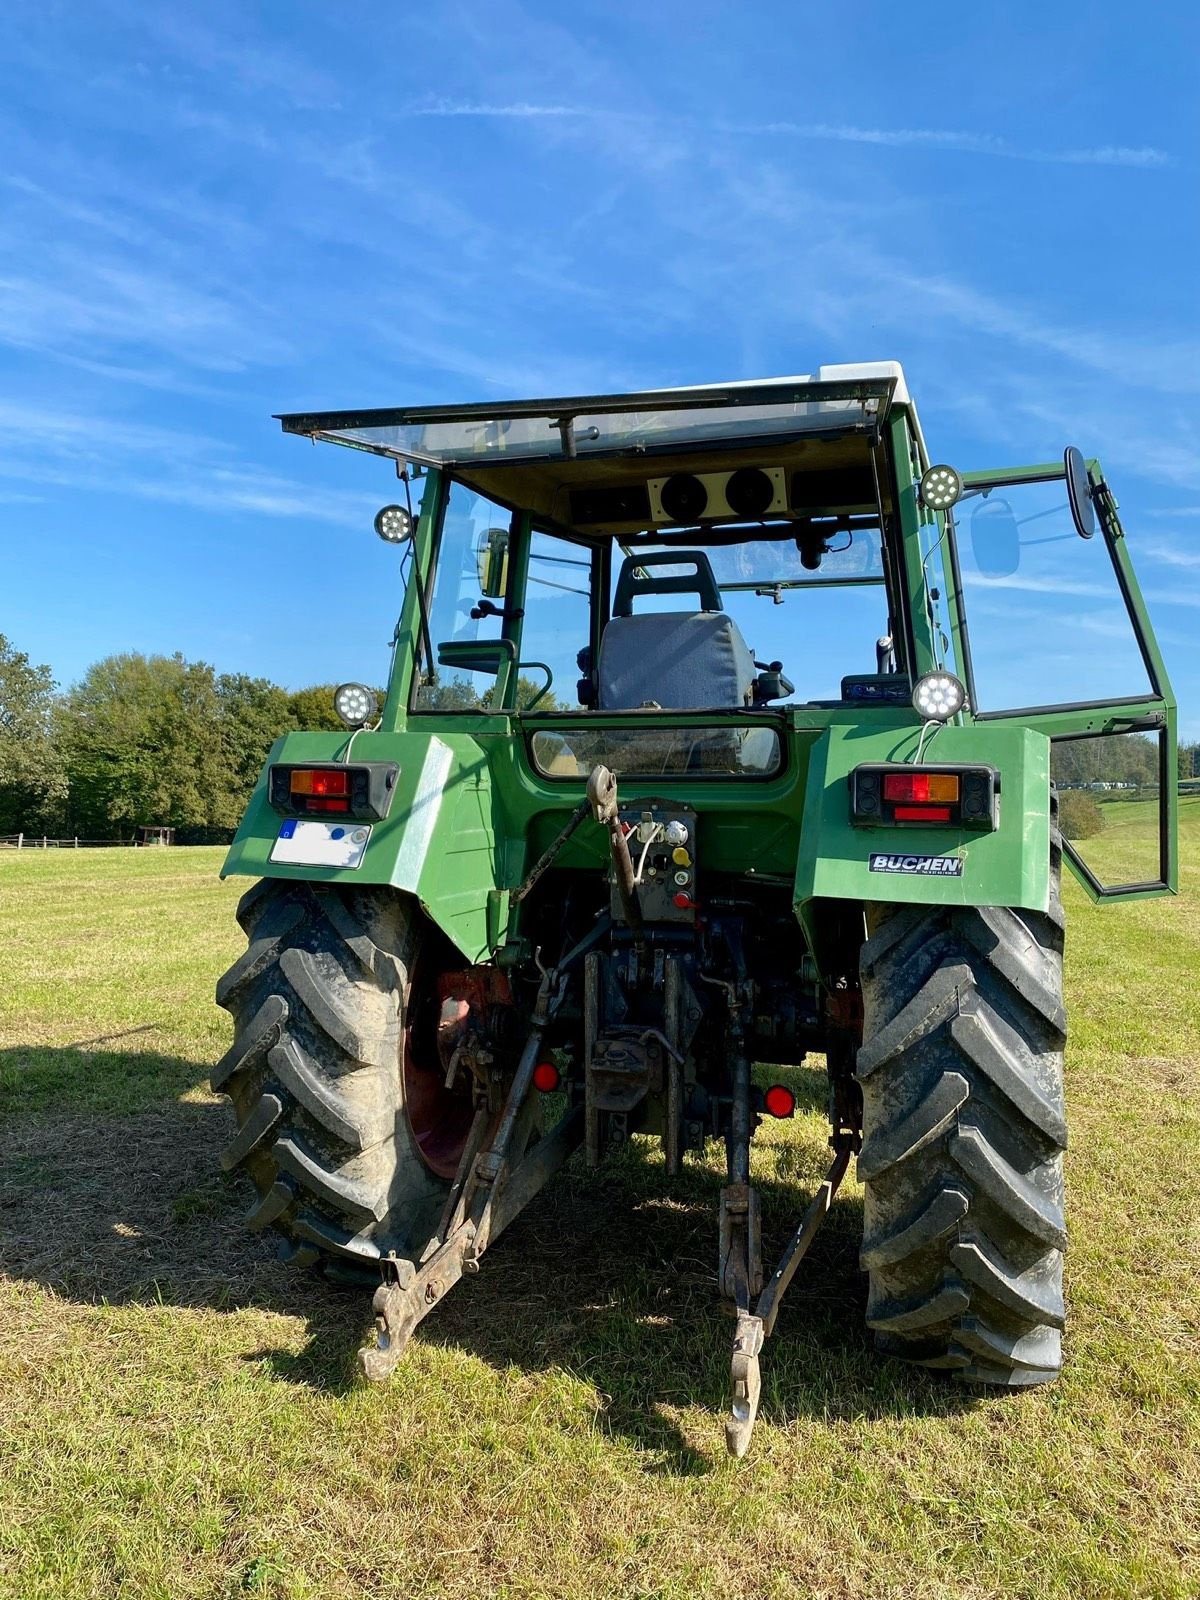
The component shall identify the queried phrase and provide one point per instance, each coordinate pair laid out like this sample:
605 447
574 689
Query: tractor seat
681 660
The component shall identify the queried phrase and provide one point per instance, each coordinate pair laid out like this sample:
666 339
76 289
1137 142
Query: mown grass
179 1415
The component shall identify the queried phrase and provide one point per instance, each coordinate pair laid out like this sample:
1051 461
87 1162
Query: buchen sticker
925 866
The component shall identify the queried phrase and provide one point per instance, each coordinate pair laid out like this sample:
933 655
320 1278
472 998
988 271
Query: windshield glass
767 562
536 429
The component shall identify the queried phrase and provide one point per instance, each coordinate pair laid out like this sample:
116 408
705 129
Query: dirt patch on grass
1180 1075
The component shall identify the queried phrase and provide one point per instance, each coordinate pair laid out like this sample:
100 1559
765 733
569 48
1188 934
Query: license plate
321 844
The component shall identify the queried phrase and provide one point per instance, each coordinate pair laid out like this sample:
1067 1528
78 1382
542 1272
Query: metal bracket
754 1329
746 1379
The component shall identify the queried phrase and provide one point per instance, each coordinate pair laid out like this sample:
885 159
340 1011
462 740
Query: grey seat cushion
684 660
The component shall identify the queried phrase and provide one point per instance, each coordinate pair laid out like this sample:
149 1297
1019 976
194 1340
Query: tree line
140 739
161 740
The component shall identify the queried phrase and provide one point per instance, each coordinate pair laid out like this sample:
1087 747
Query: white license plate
321 844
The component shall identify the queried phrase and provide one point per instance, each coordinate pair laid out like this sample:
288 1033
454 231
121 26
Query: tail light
363 790
885 796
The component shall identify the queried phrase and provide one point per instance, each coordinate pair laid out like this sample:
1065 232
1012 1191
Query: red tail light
918 788
319 781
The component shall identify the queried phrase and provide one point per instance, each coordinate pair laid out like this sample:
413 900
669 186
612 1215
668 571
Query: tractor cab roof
567 459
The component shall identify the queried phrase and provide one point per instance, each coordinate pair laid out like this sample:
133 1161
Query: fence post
20 840
77 841
43 841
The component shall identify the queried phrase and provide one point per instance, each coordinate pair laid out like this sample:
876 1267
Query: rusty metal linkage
755 1328
488 1191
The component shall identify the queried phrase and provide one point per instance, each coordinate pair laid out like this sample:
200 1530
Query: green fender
1007 867
438 841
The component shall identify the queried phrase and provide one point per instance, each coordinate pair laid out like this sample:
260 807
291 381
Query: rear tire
315 1073
964 1132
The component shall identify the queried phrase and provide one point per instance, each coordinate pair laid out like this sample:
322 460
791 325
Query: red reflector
778 1101
327 805
546 1077
922 814
683 901
920 787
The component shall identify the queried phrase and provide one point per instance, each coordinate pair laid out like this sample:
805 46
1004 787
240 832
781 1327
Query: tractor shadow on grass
609 1276
131 1207
612 1276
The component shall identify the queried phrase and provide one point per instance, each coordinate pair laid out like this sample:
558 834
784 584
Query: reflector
546 1077
778 1101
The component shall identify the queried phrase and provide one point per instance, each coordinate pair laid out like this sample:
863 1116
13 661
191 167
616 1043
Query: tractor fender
437 842
928 864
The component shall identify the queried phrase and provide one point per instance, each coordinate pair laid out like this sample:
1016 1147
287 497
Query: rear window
736 751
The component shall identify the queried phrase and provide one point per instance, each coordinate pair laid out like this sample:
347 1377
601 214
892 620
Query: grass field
179 1414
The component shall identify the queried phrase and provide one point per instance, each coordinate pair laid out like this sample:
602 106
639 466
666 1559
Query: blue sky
212 213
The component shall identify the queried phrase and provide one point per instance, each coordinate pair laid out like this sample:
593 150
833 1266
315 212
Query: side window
1109 791
558 620
1047 621
471 562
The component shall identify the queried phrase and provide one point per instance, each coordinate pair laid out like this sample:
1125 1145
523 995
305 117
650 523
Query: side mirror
492 558
995 541
1079 492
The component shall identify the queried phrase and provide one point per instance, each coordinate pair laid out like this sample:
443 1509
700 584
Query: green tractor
689 763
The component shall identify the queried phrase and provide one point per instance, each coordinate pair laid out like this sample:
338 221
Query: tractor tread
339 1242
263 949
931 1117
1040 1350
1006 1188
301 1075
935 1001
978 1038
344 1194
900 1317
270 1207
1035 1296
329 998
964 1133
316 1076
252 1043
940 1217
256 1129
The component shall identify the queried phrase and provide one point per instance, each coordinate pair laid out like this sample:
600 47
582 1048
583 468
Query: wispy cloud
950 139
126 457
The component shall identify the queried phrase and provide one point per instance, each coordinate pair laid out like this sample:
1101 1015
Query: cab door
1054 632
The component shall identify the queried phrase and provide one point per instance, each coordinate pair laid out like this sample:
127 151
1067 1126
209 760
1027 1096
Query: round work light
941 488
939 696
393 524
355 704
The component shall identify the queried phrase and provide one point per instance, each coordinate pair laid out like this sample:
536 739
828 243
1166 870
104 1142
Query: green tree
312 709
33 775
254 712
144 744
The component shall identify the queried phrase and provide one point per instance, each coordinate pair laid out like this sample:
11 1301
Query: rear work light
886 796
363 791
